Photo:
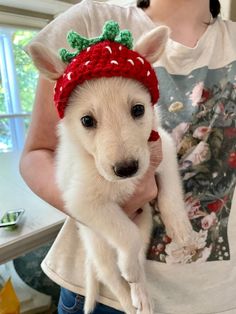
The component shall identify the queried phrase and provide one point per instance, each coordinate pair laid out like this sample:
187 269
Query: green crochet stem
111 31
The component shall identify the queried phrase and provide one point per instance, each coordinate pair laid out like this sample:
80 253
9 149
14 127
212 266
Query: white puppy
103 152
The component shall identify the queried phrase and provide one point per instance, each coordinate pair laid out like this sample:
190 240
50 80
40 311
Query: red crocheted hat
105 59
104 56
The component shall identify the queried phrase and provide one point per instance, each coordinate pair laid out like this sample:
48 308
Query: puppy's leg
104 260
138 291
144 223
111 223
170 196
91 285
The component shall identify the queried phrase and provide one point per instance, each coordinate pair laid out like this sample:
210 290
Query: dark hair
214 6
143 4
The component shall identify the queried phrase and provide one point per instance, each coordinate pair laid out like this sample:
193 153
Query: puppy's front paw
140 298
130 268
180 231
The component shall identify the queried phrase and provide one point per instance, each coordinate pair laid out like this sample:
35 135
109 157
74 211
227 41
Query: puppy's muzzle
126 169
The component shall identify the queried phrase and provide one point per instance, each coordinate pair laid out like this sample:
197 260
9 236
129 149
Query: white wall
225 8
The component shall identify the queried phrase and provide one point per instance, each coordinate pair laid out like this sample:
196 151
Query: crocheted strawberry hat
108 55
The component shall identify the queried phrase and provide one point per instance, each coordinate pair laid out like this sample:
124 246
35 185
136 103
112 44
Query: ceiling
37 14
51 7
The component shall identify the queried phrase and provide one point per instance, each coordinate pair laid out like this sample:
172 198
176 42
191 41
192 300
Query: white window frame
11 91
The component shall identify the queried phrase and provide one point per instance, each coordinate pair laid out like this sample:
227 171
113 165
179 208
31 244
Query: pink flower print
219 109
199 95
194 251
196 94
193 208
158 249
200 153
202 132
209 221
166 239
179 131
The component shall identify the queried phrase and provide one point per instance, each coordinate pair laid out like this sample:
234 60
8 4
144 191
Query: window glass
5 136
25 71
5 142
2 99
18 79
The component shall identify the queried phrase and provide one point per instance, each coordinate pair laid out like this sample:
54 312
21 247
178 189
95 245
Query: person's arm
37 161
37 165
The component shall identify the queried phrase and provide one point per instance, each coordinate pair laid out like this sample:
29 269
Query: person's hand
147 189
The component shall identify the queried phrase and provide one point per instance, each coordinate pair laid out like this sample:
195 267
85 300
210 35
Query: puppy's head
110 118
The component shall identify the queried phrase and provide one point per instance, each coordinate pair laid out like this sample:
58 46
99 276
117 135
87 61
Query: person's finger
144 193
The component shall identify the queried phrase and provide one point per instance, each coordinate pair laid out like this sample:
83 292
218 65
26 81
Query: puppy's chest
112 191
97 188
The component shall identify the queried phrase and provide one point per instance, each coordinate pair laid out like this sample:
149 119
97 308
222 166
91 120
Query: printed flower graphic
202 132
195 251
197 94
232 160
209 221
178 132
199 154
193 207
218 204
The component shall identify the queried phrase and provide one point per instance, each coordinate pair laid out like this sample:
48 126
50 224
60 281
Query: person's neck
187 19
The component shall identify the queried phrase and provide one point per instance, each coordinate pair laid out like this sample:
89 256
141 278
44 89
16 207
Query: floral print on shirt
199 110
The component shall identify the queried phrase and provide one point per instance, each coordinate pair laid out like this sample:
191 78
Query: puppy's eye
137 111
88 122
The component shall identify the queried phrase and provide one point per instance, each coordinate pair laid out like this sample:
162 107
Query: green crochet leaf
111 31
125 38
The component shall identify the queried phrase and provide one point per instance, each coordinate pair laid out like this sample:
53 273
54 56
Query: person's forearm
38 170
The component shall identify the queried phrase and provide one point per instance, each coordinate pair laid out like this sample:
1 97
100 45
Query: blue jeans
71 302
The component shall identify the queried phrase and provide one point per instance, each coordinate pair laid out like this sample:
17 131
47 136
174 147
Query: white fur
115 246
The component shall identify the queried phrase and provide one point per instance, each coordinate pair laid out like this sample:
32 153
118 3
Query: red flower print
232 160
217 205
230 132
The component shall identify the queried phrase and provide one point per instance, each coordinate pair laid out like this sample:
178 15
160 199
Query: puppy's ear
152 44
46 61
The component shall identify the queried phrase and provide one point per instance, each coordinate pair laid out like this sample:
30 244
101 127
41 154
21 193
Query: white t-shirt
198 103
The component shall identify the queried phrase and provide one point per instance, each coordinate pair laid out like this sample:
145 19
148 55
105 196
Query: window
18 78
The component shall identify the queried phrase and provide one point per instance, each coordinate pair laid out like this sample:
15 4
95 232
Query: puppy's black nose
126 169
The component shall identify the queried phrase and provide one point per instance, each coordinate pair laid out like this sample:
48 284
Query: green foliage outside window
25 70
26 76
